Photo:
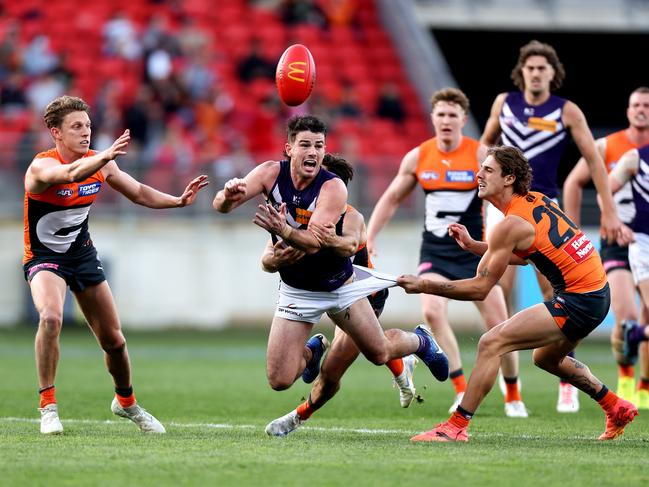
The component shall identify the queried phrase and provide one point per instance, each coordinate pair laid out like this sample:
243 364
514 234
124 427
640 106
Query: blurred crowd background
193 80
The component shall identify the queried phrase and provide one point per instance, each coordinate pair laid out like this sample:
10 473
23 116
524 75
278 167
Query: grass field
210 391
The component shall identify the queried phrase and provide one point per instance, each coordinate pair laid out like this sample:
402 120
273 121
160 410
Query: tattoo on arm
484 272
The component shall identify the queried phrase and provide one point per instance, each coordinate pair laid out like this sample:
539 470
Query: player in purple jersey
633 167
537 122
304 204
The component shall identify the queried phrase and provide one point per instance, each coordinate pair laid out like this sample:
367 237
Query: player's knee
544 362
377 357
50 321
279 382
433 315
114 345
490 343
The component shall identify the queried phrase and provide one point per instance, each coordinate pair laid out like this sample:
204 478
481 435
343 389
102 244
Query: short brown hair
643 90
450 95
58 108
512 161
536 48
339 166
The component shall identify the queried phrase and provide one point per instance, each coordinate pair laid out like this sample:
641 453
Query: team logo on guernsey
429 176
89 189
302 216
65 192
460 176
579 247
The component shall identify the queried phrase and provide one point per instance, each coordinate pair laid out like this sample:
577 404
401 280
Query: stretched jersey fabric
616 145
56 220
560 251
538 131
640 186
451 186
324 270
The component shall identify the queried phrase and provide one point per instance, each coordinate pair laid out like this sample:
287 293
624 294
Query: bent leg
339 358
286 355
623 306
98 307
48 294
360 323
531 328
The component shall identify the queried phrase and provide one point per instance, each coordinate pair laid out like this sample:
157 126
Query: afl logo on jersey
429 176
89 189
65 192
460 176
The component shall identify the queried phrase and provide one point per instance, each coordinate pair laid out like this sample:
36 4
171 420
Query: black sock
599 395
465 414
124 391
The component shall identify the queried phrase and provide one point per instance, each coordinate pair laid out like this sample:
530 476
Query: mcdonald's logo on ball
295 75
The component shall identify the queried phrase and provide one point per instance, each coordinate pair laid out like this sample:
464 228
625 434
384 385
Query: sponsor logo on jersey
579 248
429 176
89 189
302 216
542 124
460 176
65 192
289 309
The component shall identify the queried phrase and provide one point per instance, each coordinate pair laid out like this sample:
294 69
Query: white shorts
639 257
309 306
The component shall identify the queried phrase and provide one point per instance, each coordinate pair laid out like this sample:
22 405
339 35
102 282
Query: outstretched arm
144 195
477 247
503 240
46 171
237 191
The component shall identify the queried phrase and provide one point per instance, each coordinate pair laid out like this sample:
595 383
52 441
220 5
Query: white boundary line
367 431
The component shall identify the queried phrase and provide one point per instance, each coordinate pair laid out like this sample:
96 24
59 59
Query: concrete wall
202 273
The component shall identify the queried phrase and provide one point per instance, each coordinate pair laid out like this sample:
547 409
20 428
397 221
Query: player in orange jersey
343 351
445 167
60 186
538 122
534 230
614 257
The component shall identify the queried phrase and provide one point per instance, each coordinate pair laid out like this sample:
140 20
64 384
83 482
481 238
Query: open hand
191 191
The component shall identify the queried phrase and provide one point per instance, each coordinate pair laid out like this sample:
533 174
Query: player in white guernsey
537 122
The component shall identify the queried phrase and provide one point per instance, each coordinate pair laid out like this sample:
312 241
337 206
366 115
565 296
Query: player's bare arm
511 234
573 187
329 207
574 119
625 169
477 247
400 187
279 255
237 191
492 127
46 171
346 244
144 195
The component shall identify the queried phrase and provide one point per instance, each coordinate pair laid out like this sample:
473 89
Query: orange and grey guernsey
56 220
450 182
560 251
616 145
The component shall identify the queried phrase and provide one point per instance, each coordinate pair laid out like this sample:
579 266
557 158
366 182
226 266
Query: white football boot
50 422
145 421
404 381
284 425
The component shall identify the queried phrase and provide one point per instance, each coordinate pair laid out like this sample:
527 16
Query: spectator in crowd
389 104
255 65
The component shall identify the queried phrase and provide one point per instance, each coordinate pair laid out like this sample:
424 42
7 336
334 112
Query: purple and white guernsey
640 187
538 131
324 270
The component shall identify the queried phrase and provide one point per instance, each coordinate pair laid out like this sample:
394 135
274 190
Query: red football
295 75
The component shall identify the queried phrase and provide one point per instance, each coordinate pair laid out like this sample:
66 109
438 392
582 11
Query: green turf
210 390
